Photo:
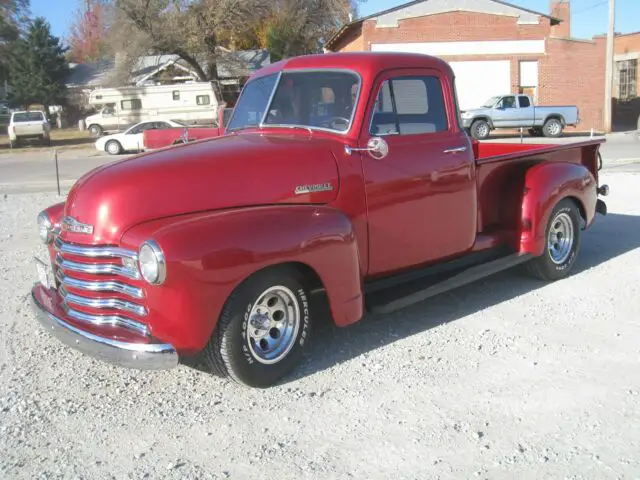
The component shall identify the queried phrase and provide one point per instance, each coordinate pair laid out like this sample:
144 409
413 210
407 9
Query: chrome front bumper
142 356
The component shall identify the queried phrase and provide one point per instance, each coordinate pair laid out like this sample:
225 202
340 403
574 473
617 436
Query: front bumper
142 356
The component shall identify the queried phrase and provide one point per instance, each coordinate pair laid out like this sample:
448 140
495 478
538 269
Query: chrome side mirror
377 148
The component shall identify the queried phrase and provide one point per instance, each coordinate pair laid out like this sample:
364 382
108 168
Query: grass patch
61 138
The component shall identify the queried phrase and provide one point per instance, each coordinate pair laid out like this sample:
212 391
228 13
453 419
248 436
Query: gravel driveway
506 378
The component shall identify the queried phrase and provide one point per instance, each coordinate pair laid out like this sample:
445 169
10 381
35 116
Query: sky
588 17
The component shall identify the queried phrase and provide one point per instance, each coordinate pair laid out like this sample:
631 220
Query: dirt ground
506 378
61 138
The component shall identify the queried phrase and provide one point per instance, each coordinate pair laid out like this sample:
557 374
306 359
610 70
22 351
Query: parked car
25 125
230 247
132 139
518 111
166 137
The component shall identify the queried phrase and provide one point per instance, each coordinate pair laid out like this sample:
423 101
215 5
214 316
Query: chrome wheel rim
483 130
113 148
554 128
273 325
561 237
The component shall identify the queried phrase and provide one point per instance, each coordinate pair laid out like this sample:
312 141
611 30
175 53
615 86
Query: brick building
626 99
494 48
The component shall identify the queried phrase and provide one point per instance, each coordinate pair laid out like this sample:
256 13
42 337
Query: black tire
480 129
96 130
535 132
545 267
552 128
116 150
232 351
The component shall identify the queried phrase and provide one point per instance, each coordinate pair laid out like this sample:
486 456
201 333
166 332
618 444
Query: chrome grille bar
94 252
102 320
97 268
101 303
108 287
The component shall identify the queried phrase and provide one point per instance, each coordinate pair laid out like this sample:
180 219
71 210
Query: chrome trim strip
102 320
96 268
143 356
93 252
102 303
110 286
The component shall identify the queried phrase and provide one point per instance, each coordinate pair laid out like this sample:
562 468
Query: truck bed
500 175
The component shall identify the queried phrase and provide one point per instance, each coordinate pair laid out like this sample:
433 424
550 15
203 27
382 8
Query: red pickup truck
344 178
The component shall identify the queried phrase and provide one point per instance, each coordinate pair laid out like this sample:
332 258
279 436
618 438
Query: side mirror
377 148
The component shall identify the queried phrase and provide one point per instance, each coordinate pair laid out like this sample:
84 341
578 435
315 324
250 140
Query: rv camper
119 108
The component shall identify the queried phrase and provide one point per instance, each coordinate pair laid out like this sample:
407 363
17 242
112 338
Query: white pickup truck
518 111
31 124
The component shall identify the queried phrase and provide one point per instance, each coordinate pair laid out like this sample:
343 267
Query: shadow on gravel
609 237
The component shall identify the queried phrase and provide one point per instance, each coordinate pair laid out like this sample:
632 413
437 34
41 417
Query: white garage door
477 81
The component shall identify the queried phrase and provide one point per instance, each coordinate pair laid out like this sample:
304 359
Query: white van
191 103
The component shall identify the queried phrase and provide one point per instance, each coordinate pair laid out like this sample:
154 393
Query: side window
509 102
133 104
176 94
524 101
409 105
203 100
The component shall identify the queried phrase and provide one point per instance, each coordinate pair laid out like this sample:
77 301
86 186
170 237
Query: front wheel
562 243
263 329
480 129
113 147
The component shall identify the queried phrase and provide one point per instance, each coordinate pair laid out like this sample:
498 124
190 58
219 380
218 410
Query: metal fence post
57 171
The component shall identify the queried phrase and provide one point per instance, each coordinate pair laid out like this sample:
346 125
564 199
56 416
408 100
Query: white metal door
476 81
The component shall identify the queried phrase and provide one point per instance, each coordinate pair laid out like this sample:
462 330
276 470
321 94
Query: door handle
456 150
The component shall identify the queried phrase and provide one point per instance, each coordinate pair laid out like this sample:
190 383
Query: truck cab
343 180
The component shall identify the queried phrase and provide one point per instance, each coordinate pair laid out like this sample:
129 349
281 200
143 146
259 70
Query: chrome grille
98 285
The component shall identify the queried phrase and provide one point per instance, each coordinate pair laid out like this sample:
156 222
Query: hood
225 172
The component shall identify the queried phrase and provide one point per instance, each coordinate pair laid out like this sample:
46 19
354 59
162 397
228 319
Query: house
494 48
233 68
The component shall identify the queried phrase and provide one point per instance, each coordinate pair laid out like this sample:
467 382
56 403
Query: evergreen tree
38 69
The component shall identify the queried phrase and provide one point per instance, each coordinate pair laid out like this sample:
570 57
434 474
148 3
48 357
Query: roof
349 27
365 63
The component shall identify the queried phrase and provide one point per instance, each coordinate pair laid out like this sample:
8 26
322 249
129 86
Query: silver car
518 111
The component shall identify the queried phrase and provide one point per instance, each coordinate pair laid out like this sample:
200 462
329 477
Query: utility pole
608 91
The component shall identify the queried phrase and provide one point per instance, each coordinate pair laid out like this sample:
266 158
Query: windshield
316 99
491 102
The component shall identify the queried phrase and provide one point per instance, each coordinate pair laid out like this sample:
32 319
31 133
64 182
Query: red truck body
155 139
244 229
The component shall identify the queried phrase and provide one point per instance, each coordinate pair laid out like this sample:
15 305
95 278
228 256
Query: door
525 111
421 197
505 113
133 138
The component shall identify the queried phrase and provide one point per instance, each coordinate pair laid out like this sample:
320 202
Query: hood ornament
70 224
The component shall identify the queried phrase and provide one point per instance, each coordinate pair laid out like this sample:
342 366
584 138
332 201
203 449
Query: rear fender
545 185
209 255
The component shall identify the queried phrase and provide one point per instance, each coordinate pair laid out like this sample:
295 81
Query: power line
590 7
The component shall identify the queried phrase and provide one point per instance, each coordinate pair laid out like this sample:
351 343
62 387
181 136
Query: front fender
545 185
208 255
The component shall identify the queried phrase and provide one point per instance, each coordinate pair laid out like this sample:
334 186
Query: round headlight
151 263
45 228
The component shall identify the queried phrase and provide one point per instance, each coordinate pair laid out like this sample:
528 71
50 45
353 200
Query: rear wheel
96 130
562 243
552 128
480 129
263 329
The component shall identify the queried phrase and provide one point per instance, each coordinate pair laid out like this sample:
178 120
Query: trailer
121 107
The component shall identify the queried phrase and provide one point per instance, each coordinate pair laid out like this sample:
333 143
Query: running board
386 301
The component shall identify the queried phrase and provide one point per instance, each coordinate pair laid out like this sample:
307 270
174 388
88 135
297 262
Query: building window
203 100
627 72
133 104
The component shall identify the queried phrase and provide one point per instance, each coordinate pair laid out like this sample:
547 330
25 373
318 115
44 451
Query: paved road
36 172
